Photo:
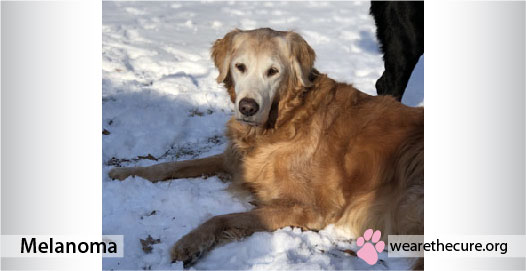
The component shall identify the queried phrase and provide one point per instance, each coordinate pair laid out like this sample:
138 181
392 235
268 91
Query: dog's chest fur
280 170
276 167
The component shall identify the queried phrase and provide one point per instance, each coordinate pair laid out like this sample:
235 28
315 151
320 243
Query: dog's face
260 66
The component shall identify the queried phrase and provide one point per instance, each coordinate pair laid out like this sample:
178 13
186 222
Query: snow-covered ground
161 101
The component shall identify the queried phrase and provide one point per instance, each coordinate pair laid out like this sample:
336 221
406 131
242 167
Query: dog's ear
222 54
302 58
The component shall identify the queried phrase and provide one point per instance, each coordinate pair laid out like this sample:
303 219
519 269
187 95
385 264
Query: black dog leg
400 31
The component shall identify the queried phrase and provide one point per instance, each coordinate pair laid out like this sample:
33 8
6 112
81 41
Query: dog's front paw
191 247
121 173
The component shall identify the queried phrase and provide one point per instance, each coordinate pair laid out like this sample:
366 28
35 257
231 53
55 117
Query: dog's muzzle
248 107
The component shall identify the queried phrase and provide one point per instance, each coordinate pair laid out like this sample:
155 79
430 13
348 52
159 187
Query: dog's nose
248 107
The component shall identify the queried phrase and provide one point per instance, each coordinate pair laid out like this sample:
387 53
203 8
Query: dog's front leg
225 228
172 170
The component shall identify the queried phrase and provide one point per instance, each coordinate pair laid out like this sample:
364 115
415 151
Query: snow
160 98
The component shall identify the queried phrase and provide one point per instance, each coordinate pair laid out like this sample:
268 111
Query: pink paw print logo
368 252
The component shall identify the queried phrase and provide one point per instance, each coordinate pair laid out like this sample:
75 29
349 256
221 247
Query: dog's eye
241 67
272 71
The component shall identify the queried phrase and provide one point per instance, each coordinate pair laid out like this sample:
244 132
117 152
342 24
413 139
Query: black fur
400 32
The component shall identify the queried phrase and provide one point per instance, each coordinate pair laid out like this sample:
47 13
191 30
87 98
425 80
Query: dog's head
259 66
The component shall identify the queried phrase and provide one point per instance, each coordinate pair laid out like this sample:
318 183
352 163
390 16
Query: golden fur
327 153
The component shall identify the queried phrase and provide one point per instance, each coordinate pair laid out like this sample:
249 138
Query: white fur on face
255 81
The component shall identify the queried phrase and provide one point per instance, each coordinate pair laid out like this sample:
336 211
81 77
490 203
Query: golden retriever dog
311 150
